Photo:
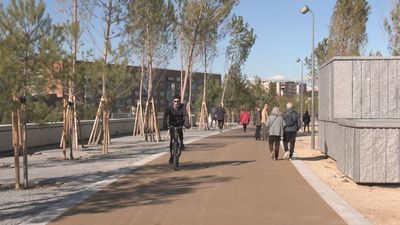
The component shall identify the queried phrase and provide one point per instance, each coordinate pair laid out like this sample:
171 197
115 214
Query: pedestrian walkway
223 179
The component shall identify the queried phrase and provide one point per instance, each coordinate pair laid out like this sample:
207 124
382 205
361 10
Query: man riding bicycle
176 116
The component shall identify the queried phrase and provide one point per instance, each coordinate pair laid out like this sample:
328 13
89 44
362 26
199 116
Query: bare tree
112 15
214 18
151 23
195 18
71 30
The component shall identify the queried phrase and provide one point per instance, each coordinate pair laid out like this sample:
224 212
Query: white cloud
276 78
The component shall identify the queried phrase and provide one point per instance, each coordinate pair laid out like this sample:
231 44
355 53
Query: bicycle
176 149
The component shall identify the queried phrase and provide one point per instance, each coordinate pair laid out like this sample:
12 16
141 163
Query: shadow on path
151 185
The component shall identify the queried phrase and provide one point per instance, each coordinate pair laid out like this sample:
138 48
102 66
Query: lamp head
304 9
298 60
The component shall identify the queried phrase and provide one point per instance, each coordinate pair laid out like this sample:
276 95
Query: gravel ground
52 179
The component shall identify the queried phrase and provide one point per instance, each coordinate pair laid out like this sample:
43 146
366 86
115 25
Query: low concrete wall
51 133
366 151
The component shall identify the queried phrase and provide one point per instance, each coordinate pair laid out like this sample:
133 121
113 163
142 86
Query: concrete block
398 89
366 155
366 90
324 100
357 145
357 69
379 156
339 140
346 151
321 136
393 156
383 90
342 89
331 95
331 141
375 95
350 151
392 90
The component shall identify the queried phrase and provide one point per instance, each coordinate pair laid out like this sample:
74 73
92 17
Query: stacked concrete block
359 117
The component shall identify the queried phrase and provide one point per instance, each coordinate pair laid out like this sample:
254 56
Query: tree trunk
104 103
190 55
16 145
188 69
24 115
223 91
203 122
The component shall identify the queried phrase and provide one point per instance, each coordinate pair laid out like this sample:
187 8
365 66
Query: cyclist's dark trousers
220 124
244 127
172 133
289 138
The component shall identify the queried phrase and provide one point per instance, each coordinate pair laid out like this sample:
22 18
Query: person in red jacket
244 119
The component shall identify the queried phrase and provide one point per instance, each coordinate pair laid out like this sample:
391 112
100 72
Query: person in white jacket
264 117
275 124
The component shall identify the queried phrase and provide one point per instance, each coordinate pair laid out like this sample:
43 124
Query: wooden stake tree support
203 120
97 131
103 105
138 128
69 128
152 131
69 113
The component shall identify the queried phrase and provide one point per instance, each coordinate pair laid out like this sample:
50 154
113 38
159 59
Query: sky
283 34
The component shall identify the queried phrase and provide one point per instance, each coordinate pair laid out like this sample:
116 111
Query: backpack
290 120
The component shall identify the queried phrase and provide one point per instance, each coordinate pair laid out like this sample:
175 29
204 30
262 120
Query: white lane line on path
74 199
342 208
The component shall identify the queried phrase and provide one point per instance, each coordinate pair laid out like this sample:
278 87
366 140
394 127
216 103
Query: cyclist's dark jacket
176 117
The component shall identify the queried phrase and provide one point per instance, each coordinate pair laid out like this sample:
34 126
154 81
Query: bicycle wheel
175 152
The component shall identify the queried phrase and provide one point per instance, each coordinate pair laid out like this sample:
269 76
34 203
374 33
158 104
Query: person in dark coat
306 121
257 122
220 116
175 115
292 125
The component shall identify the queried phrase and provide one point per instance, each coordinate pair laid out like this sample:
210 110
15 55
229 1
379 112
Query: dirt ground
380 204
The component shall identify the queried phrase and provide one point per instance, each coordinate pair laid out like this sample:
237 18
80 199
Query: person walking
292 125
257 122
244 119
264 117
220 116
306 121
275 126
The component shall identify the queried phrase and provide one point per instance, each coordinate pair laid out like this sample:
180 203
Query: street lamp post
301 87
305 9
